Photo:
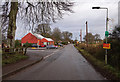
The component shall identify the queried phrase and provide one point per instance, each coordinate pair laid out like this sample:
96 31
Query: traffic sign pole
106 36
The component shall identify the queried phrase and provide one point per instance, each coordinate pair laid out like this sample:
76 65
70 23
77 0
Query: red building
36 39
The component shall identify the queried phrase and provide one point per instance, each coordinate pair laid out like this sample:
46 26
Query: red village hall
38 39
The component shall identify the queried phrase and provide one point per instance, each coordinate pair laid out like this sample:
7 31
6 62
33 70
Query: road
62 64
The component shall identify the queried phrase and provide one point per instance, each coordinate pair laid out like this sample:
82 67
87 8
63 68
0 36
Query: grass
106 70
0 51
12 58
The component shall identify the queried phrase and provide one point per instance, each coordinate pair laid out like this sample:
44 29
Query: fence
7 51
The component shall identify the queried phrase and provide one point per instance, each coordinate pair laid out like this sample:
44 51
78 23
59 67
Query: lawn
12 58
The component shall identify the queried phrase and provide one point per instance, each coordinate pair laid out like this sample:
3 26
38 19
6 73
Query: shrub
64 43
98 52
27 44
17 43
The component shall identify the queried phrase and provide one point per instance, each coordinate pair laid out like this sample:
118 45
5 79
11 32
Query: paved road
64 64
35 54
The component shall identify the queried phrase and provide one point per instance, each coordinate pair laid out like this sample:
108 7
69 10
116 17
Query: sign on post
106 33
106 46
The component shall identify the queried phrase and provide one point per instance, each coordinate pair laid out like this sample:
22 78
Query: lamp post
106 28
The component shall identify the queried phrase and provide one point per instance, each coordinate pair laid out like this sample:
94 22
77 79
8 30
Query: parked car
59 44
51 47
43 45
34 45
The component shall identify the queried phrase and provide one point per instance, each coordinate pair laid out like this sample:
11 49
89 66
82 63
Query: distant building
36 39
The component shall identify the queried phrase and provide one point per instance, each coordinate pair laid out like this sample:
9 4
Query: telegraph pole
81 35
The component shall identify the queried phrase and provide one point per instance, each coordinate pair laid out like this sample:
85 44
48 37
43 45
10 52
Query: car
43 46
59 44
34 45
51 47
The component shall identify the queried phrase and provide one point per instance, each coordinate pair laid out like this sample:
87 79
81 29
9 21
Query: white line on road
50 54
42 50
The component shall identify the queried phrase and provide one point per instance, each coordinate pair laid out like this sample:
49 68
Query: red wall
32 39
44 40
29 38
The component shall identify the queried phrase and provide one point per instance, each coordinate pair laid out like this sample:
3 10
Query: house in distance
37 39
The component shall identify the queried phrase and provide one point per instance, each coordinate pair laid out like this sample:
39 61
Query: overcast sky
83 12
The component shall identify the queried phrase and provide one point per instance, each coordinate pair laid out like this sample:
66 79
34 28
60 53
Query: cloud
96 18
84 12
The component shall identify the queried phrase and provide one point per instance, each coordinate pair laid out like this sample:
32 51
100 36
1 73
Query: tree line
90 38
56 34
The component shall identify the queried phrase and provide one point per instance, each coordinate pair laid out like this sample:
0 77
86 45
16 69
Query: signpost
106 33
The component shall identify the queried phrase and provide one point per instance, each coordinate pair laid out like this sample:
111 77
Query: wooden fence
7 51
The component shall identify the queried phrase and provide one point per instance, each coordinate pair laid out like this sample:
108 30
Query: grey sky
83 12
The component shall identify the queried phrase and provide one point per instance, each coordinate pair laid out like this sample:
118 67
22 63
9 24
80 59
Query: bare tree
34 13
43 29
67 35
56 34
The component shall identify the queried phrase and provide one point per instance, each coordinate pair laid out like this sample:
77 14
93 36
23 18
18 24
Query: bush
27 44
106 70
17 43
98 52
64 43
95 50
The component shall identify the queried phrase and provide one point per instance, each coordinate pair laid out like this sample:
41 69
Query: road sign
106 46
106 33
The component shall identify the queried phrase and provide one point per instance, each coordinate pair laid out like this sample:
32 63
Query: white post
38 43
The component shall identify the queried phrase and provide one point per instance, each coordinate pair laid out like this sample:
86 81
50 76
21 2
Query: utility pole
106 36
86 33
106 28
81 35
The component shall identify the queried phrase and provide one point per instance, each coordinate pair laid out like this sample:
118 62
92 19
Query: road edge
21 68
105 72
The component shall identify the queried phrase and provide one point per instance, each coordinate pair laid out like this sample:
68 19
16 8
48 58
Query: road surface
62 64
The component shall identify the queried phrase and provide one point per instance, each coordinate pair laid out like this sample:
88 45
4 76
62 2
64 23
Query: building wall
29 38
32 39
45 42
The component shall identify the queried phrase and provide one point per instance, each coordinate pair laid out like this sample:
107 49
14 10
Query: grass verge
106 70
13 58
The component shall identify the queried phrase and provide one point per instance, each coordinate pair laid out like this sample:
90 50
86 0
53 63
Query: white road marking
50 54
42 50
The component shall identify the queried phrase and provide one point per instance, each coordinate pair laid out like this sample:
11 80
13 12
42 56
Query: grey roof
38 36
49 39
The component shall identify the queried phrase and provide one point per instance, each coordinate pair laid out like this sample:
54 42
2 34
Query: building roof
41 37
38 36
49 39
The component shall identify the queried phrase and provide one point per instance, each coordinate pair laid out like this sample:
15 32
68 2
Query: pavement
62 64
18 66
35 56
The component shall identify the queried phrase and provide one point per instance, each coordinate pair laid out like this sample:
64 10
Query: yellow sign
77 42
106 46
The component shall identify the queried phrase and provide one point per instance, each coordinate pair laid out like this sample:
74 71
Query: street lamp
106 27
